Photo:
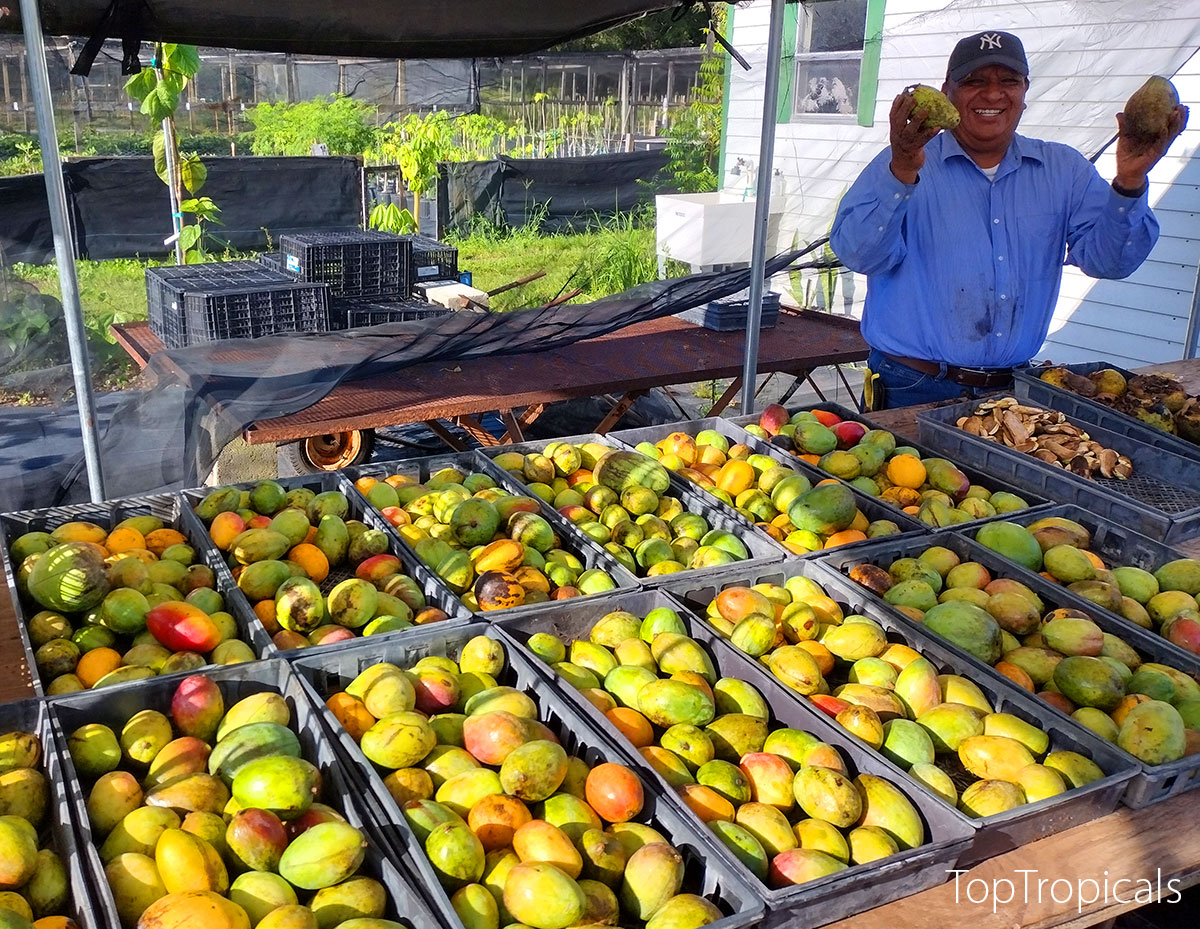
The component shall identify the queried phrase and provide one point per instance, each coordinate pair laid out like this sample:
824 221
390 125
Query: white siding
1085 59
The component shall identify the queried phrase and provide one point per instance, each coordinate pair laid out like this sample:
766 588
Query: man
962 234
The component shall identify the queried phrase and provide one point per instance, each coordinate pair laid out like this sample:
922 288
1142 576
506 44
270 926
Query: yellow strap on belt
869 379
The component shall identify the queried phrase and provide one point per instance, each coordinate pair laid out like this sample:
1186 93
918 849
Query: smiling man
963 234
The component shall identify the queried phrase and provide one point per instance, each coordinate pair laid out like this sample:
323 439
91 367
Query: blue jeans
902 386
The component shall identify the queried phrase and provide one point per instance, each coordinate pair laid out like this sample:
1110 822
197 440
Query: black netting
204 395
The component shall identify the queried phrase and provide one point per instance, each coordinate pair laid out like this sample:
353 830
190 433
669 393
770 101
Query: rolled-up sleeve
868 230
1109 235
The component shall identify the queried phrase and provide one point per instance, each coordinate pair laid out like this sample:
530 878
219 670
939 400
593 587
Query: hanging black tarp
365 28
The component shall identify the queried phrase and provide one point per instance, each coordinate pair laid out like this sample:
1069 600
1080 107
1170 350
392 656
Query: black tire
318 454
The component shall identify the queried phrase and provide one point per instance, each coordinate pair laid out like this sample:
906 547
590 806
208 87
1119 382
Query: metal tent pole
1192 336
762 205
64 253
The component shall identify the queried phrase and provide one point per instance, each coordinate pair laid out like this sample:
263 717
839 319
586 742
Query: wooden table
628 362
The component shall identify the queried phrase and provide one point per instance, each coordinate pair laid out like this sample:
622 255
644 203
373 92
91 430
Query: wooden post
624 95
290 70
4 73
670 90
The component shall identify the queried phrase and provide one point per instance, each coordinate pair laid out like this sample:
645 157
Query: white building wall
1090 67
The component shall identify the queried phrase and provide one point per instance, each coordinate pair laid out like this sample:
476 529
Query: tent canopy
363 28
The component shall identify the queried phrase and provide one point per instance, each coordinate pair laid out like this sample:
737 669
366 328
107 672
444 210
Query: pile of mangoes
933 490
1149 709
33 876
517 830
284 545
780 799
121 605
623 501
779 501
1163 601
492 548
178 803
940 728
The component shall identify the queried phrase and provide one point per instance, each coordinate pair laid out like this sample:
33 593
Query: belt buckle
986 375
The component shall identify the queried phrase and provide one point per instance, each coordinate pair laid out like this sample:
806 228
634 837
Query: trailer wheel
330 452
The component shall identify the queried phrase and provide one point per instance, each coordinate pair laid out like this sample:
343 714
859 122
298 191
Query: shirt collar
1020 149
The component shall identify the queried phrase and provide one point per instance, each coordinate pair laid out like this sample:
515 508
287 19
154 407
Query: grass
609 259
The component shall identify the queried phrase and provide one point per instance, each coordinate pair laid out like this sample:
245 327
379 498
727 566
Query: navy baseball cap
986 48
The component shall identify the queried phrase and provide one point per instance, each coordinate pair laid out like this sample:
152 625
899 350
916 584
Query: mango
852 641
1013 727
1076 769
905 743
356 898
461 792
870 843
675 653
1153 732
138 832
1088 681
684 911
883 805
260 893
936 780
818 835
791 745
571 814
736 734
800 865
260 580
796 668
323 855
280 784
1039 782
400 740
538 840
94 750
1039 663
669 702
743 845
111 799
653 875
917 687
135 884
295 916
994 757
144 735
827 795
990 797
949 724
255 839
541 896
602 855
185 755
502 699
191 792
967 626
194 908
187 862
885 703
456 854
728 780
249 743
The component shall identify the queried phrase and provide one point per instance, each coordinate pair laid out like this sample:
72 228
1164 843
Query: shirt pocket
1040 244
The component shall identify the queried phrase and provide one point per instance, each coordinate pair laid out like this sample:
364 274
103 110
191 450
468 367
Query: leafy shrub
292 128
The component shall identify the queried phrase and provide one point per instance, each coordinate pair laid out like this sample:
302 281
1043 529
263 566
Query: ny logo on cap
991 40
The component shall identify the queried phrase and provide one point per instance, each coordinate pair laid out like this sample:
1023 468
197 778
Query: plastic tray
761 547
57 832
1117 546
1161 498
166 507
1152 783
166 285
359 263
730 313
1003 832
586 550
1030 387
332 671
871 507
248 311
436 593
432 260
973 475
238 681
840 895
352 312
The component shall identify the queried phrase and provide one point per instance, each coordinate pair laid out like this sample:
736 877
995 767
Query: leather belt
968 377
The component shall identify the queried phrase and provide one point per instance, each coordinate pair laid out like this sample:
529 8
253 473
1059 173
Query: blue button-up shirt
965 270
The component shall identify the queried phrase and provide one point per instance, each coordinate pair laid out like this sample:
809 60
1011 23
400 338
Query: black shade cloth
563 193
214 399
25 233
121 208
368 28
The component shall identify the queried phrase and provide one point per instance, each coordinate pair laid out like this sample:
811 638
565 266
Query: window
830 37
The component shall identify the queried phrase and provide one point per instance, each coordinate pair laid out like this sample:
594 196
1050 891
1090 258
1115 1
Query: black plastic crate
871 507
1161 498
1005 831
239 311
330 672
1116 545
57 832
579 545
728 314
974 475
436 593
839 895
1028 386
762 549
166 507
383 861
166 285
1153 783
432 260
360 263
273 261
353 312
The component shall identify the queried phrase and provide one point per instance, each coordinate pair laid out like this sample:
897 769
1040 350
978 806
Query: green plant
291 128
694 138
26 160
388 217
